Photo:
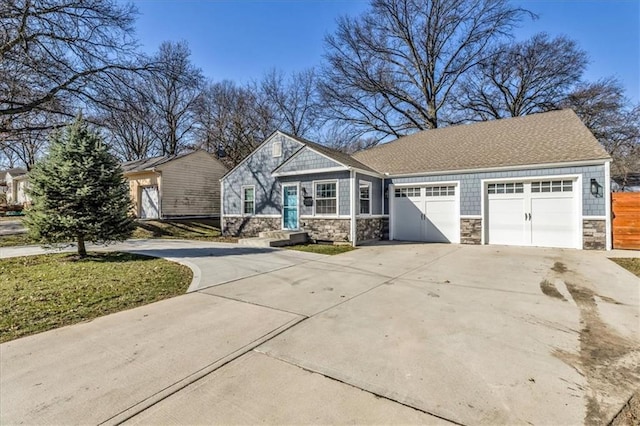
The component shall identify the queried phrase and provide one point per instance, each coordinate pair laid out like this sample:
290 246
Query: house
178 186
16 181
540 180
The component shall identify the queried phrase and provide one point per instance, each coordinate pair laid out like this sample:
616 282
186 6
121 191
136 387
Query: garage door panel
408 219
442 226
541 213
149 205
506 221
553 222
426 213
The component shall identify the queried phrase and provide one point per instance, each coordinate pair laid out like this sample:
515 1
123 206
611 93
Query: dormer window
277 148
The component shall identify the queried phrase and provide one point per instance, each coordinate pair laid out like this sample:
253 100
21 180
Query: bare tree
127 117
612 119
232 121
29 141
522 78
294 99
172 90
53 51
393 70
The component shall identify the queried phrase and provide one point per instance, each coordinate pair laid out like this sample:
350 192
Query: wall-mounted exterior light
596 188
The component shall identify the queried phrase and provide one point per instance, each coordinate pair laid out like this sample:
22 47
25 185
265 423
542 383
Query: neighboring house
185 185
539 180
17 184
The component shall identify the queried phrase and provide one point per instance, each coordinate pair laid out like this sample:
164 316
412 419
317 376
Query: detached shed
166 187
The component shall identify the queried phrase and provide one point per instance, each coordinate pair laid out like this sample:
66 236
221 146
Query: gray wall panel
257 171
471 194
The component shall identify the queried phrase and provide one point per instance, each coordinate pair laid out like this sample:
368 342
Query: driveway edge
194 377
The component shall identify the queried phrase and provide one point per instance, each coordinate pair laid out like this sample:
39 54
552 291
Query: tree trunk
82 250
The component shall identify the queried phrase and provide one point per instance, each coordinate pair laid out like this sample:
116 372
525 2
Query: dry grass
328 249
39 293
630 264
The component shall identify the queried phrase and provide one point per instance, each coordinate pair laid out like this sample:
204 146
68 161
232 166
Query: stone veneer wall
594 234
327 229
471 231
249 226
369 229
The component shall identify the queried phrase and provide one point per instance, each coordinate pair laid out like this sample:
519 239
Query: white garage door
149 208
426 213
541 213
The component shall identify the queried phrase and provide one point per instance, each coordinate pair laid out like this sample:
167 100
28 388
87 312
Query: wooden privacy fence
626 220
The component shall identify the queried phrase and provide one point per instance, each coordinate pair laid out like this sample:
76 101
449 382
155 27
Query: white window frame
364 184
242 194
315 198
276 149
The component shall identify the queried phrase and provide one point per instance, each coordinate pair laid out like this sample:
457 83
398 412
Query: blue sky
241 39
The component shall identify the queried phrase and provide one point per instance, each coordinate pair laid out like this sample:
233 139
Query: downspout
353 191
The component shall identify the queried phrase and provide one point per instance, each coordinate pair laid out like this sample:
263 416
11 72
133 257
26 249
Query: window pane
567 185
326 206
248 194
519 188
364 192
365 207
248 207
326 190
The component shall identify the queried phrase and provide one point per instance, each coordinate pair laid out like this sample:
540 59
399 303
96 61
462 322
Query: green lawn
39 293
630 264
322 248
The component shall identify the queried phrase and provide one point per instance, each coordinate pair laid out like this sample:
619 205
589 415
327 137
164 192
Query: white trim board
607 203
254 215
325 217
310 172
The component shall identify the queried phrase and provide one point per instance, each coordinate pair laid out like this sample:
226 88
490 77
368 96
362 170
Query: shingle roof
551 137
338 156
147 163
15 171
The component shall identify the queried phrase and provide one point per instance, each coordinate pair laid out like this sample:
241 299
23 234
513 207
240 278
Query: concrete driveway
385 334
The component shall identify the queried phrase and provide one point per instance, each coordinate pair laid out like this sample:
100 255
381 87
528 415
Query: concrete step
275 239
295 237
256 242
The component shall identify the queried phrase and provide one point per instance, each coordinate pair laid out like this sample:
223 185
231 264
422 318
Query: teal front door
290 206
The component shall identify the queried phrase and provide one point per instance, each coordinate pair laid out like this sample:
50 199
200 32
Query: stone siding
369 229
249 226
594 235
327 229
471 231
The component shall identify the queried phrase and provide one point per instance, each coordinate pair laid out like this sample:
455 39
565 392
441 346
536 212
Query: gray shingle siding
306 182
256 170
471 194
307 159
376 192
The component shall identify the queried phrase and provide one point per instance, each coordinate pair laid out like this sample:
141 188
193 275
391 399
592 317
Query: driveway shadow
202 252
